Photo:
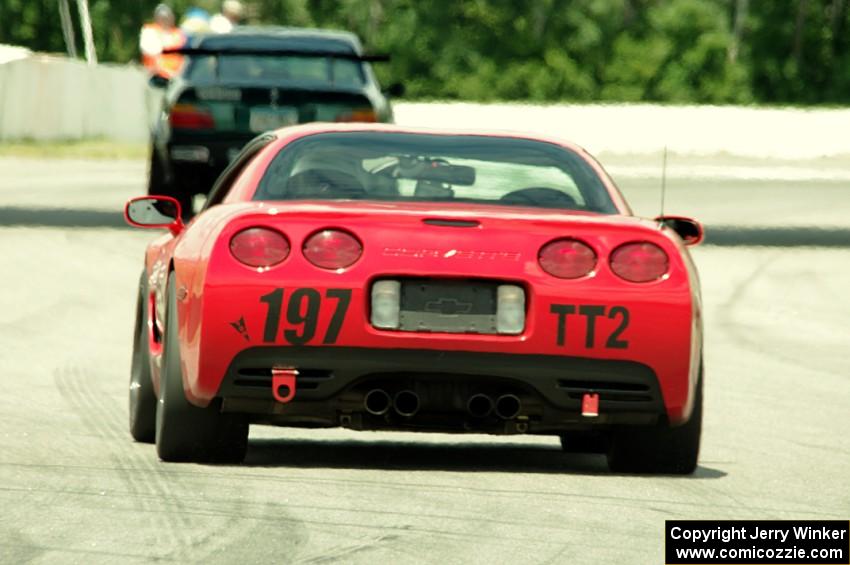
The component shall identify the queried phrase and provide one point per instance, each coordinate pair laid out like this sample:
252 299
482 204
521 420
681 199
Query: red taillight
187 116
332 249
640 262
259 247
567 258
358 115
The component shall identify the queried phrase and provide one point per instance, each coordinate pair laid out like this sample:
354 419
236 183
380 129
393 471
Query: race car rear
210 125
324 314
237 85
383 278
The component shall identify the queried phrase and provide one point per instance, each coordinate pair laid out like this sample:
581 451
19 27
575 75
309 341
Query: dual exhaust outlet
378 402
506 406
406 403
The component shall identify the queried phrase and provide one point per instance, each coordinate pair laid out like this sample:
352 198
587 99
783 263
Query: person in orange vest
158 36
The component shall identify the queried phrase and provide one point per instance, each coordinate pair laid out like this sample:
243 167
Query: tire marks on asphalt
102 418
169 499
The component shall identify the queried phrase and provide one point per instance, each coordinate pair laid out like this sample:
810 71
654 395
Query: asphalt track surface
74 487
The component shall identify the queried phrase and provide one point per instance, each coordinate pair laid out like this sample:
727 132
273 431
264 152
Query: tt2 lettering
570 318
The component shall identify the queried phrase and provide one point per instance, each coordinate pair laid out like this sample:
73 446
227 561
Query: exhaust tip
508 406
377 402
479 405
406 403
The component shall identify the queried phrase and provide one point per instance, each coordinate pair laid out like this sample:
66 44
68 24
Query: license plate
263 119
453 307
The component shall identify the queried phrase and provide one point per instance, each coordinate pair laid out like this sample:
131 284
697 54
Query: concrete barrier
13 53
53 98
45 98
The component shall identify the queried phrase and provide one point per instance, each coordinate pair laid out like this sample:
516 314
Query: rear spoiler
376 58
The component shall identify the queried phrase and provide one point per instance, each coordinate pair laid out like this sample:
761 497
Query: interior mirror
436 171
395 90
459 175
154 212
158 81
688 229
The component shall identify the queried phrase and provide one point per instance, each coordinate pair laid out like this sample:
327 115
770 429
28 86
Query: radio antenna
663 178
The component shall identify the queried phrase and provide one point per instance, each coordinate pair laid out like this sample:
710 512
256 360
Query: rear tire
185 432
142 397
664 450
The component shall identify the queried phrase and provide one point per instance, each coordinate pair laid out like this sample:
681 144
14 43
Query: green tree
683 51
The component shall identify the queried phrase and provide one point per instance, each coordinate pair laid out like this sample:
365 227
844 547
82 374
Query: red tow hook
590 405
283 383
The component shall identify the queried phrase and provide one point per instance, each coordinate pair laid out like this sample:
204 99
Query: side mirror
688 229
395 90
154 212
158 81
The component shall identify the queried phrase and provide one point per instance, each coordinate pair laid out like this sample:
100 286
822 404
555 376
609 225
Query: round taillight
567 258
332 249
640 262
259 247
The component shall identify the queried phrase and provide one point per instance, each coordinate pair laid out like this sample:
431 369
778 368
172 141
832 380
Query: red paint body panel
664 330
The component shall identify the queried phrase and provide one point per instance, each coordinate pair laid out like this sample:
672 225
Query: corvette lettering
416 253
302 314
566 315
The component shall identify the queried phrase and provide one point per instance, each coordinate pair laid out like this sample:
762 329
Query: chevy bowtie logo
448 307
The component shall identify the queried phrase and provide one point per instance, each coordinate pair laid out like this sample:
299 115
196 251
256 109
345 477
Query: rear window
278 69
434 168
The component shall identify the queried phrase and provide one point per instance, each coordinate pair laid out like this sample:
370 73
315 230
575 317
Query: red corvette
376 277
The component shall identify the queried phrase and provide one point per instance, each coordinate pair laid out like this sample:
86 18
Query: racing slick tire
664 450
142 397
185 432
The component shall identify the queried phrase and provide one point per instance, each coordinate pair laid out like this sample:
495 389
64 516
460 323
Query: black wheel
659 450
185 432
158 184
584 442
142 397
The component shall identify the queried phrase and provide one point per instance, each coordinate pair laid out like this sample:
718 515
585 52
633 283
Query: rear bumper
195 161
220 147
333 382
